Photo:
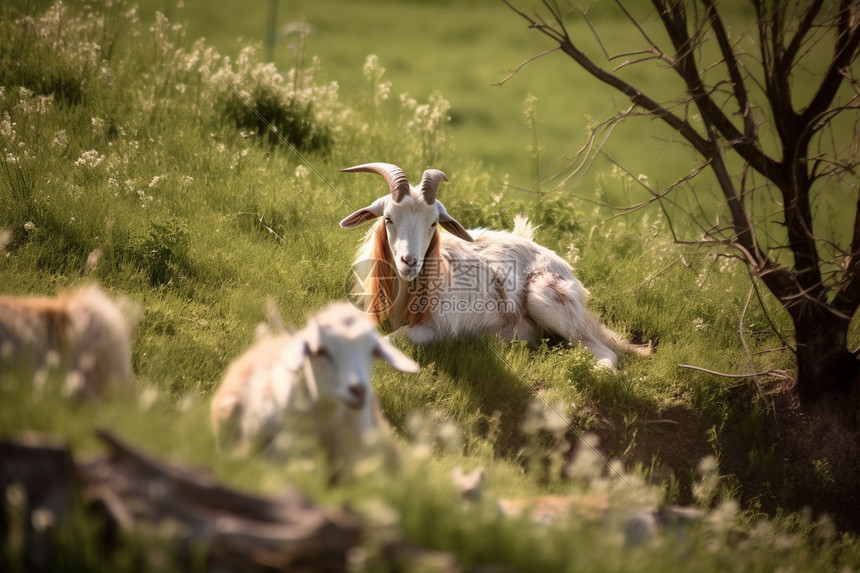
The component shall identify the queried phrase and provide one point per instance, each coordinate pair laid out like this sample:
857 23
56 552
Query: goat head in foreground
438 285
321 373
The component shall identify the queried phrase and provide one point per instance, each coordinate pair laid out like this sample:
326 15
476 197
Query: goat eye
388 220
322 353
434 224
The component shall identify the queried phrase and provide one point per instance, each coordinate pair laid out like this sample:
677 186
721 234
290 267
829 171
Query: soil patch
779 456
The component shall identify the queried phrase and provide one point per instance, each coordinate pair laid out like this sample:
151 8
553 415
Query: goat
82 331
437 285
328 364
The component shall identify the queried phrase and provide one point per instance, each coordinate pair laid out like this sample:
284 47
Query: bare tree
816 279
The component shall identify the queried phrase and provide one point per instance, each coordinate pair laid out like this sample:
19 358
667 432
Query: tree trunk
826 370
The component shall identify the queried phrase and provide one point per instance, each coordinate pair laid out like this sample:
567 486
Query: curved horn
394 176
429 182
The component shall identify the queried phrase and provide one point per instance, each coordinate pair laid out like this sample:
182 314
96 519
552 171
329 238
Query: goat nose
410 261
358 391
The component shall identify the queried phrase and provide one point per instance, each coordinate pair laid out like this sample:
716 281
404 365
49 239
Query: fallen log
133 491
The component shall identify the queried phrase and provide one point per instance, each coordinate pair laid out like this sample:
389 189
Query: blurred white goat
326 368
80 331
448 284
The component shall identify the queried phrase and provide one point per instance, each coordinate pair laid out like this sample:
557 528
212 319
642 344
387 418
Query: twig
259 218
673 422
750 356
744 341
516 69
777 373
780 349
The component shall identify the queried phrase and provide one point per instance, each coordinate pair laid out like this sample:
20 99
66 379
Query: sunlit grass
200 219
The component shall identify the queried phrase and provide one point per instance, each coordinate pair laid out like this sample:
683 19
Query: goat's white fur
326 367
495 283
81 331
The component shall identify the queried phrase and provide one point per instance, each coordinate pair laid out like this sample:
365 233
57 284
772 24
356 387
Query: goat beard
385 285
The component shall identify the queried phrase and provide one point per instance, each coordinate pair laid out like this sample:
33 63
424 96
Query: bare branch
674 20
737 80
636 96
844 52
802 30
517 68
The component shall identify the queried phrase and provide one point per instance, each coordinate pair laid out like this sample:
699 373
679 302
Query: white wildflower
156 180
29 226
90 159
60 139
44 103
643 179
7 127
302 172
530 110
371 69
699 323
573 255
383 90
98 125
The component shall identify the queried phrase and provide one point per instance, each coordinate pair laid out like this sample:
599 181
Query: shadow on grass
478 388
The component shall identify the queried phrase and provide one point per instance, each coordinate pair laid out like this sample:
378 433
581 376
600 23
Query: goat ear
295 353
369 213
451 224
304 343
386 351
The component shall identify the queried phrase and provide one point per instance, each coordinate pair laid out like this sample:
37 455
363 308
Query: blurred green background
459 48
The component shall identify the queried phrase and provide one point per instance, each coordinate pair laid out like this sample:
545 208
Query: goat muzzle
356 396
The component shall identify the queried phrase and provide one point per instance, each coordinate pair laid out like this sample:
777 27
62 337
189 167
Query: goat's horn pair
430 182
399 183
394 176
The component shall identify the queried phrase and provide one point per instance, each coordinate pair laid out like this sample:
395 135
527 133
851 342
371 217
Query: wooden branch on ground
774 373
133 491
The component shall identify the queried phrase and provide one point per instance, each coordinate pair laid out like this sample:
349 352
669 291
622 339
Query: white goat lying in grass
81 331
325 369
448 284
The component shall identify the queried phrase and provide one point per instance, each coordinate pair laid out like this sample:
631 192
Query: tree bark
827 372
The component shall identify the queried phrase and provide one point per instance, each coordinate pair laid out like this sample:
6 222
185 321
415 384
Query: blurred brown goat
81 332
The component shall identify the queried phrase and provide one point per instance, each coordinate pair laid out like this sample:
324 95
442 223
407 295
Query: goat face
342 371
411 215
410 226
341 345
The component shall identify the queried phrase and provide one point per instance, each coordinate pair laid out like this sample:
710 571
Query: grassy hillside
132 159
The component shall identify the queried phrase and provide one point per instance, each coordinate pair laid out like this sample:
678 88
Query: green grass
200 220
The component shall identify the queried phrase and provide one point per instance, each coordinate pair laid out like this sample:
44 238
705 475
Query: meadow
133 158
